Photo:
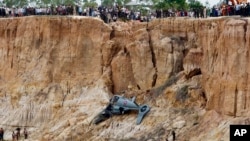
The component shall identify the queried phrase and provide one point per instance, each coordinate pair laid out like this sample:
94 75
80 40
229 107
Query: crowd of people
242 9
26 11
16 135
109 14
106 13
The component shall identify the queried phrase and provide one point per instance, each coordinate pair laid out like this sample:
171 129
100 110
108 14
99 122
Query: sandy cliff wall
225 66
219 47
53 63
57 48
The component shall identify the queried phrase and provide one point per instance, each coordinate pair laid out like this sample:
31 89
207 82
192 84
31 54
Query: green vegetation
90 3
111 2
194 4
55 2
11 3
176 4
107 2
170 4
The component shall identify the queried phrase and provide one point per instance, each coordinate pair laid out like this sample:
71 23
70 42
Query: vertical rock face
218 47
168 54
64 69
141 59
51 50
225 66
46 62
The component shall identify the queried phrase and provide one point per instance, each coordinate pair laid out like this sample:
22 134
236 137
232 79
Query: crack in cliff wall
245 30
154 61
235 101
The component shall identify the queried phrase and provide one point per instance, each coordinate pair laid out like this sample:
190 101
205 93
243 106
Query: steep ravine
58 73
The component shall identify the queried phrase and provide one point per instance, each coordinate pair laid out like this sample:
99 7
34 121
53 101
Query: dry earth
58 73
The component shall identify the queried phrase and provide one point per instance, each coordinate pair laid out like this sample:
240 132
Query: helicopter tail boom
143 110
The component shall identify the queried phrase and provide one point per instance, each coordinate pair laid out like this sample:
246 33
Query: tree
181 4
55 2
164 5
17 3
69 2
46 2
90 3
107 2
122 2
112 2
194 4
170 4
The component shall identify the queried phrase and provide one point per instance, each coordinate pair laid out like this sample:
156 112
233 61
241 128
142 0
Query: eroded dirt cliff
58 73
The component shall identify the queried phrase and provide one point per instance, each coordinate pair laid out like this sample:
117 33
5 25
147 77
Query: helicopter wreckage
119 105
